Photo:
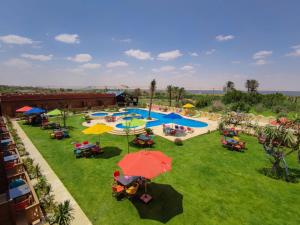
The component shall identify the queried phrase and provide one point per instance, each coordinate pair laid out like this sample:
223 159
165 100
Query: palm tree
229 86
152 91
180 94
63 214
169 91
252 86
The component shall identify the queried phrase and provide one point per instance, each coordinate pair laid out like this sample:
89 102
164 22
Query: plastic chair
116 174
77 145
85 142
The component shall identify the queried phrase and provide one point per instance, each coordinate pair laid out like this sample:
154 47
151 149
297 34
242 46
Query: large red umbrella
148 164
24 109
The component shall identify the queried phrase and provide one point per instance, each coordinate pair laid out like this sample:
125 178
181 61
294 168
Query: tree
169 91
137 92
229 86
63 214
152 91
252 86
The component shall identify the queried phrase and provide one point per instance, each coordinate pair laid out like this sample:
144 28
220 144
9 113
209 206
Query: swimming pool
131 117
159 119
119 113
99 114
121 126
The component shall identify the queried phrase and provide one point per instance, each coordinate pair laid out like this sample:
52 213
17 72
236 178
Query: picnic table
232 141
127 180
19 191
86 146
10 157
143 137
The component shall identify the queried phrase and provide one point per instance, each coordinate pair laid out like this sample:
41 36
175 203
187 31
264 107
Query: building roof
117 93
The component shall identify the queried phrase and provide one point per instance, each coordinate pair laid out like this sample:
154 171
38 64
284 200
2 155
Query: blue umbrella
34 111
172 116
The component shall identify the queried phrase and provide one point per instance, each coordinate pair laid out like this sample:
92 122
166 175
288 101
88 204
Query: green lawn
218 186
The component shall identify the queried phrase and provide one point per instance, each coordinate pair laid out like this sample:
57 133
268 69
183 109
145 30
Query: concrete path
59 190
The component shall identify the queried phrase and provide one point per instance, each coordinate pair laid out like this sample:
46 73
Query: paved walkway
59 190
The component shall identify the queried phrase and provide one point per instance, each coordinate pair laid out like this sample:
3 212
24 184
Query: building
123 98
10 102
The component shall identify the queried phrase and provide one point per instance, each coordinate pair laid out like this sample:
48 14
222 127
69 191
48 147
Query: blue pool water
119 113
99 114
159 119
121 126
131 117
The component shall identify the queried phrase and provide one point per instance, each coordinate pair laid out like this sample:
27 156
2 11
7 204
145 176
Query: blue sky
195 44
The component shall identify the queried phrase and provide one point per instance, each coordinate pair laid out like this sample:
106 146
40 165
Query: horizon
196 45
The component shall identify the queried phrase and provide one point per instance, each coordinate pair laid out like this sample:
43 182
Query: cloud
15 39
42 58
18 63
116 64
166 56
164 69
138 54
295 52
90 66
194 54
222 38
210 52
262 54
80 58
187 68
126 40
68 38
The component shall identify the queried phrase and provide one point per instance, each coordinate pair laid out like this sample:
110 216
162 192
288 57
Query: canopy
34 111
173 116
134 122
55 112
24 109
148 164
98 129
188 106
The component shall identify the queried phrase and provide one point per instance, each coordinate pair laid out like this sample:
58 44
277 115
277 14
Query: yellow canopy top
188 105
98 129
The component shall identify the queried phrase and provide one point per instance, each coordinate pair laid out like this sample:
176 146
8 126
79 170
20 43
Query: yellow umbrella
98 129
188 106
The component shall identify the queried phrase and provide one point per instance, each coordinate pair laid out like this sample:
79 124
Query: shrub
240 107
148 131
259 108
178 142
142 105
217 106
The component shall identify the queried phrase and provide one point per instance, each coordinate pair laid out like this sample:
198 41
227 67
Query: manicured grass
218 186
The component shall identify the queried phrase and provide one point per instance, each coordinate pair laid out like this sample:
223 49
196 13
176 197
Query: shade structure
98 129
34 111
148 164
172 116
24 109
188 106
55 112
134 122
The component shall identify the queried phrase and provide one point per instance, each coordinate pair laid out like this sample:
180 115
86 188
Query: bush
240 107
178 142
217 106
148 131
142 105
259 108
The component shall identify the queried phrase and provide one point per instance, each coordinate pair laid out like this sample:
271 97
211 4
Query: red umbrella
148 164
24 109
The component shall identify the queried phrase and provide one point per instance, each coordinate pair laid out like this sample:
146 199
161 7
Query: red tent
144 163
24 109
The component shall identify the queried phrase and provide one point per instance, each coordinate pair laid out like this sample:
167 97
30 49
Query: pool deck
158 130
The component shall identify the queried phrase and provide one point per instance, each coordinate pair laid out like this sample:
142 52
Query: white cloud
224 37
166 56
164 69
15 39
68 38
17 63
116 64
210 52
138 54
187 68
261 62
42 58
80 58
194 54
90 66
262 54
295 52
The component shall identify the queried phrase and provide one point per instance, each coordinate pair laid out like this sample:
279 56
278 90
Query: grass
210 184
